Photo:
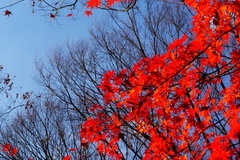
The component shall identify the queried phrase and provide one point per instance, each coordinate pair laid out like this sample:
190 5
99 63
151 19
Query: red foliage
7 13
169 100
88 13
174 89
9 149
52 15
98 3
68 157
69 15
73 149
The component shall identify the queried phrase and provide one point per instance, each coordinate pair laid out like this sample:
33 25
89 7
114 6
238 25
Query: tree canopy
163 84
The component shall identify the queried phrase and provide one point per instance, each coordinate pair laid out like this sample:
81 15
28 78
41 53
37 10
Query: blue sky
25 36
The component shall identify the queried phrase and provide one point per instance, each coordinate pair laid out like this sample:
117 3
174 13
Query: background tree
10 101
72 71
47 130
7 98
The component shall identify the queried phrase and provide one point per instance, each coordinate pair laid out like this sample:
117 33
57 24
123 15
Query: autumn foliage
9 149
179 105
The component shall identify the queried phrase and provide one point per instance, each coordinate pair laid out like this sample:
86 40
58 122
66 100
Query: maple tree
177 100
73 70
180 104
48 130
177 104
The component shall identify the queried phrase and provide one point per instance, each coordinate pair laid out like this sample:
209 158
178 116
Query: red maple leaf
13 151
7 13
69 15
52 15
66 157
73 149
93 3
88 13
6 147
9 149
110 2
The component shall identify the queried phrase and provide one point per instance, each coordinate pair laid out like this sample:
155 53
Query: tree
72 73
47 130
73 70
9 103
7 98
181 103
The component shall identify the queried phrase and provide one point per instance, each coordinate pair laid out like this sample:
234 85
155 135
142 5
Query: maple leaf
93 3
69 15
110 2
6 147
13 151
88 13
52 15
73 149
9 149
68 157
7 13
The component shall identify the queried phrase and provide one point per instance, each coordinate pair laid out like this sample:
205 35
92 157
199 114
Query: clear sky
25 36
